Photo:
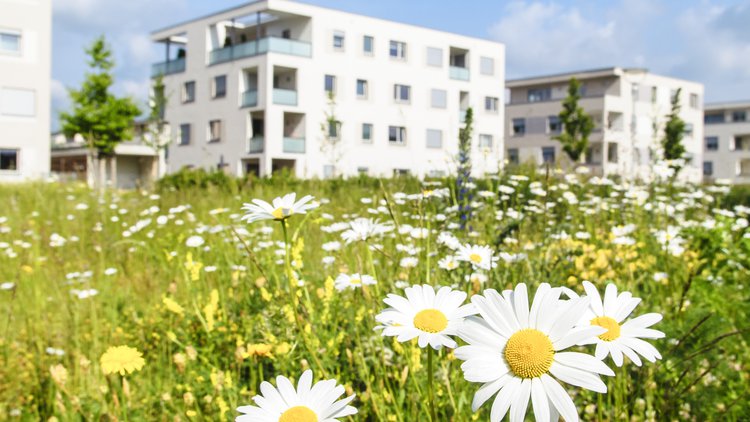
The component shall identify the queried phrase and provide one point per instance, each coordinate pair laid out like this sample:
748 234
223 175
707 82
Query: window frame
484 60
486 136
186 99
366 52
711 146
211 138
400 137
366 89
491 104
444 93
544 94
513 126
214 87
369 139
339 35
401 53
398 90
513 158
182 134
439 133
710 168
544 159
19 40
333 84
16 161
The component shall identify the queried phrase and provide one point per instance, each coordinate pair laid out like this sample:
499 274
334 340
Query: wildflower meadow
522 296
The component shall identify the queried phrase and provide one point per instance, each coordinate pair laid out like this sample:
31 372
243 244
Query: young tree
330 130
101 118
463 180
577 124
157 137
674 130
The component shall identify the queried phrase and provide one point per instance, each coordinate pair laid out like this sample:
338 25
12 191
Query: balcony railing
255 145
250 98
294 145
262 46
168 68
460 73
462 116
284 96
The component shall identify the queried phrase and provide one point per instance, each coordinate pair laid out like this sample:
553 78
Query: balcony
294 145
168 68
459 73
262 46
250 98
284 96
256 145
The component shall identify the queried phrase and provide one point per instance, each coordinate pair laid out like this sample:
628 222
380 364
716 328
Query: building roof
725 105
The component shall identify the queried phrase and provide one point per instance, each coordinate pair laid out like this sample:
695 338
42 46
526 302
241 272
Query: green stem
430 382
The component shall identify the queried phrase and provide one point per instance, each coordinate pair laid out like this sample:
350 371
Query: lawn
217 305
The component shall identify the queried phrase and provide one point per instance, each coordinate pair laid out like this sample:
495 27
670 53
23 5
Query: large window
397 135
368 45
10 41
220 86
485 141
398 50
367 133
188 92
487 66
739 116
710 118
330 84
362 89
214 131
338 41
553 124
491 104
434 57
185 134
434 138
513 156
8 159
694 101
548 155
402 93
439 98
17 102
712 143
708 168
519 127
539 94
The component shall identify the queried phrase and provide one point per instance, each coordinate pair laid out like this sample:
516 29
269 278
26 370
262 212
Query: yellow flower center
529 353
475 258
355 281
298 414
430 321
613 328
281 213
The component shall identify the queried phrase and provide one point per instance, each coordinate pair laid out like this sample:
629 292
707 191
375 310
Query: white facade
726 153
270 59
25 56
629 108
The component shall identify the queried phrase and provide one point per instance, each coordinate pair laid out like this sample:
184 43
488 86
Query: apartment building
277 84
726 153
629 108
25 56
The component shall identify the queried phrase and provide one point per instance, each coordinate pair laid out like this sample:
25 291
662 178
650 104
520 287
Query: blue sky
707 41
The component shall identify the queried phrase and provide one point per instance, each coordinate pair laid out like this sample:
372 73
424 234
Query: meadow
217 305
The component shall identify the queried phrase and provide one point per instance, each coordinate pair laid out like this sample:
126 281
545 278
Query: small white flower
194 241
346 281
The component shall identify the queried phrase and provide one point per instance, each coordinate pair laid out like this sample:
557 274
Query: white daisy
620 339
308 403
433 317
280 209
194 241
363 229
448 263
480 257
346 281
515 351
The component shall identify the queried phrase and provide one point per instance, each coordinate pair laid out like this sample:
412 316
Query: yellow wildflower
122 359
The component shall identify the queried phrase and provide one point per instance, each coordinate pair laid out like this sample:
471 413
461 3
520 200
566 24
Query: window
712 143
708 168
654 94
398 50
553 124
439 98
334 129
367 133
612 153
539 94
368 45
519 127
513 156
185 134
694 101
214 131
485 141
710 118
401 93
673 95
10 42
328 171
362 89
487 66
17 102
548 155
220 86
362 170
739 116
188 92
285 34
434 138
491 104
8 159
688 131
434 57
338 41
397 135
330 84
400 172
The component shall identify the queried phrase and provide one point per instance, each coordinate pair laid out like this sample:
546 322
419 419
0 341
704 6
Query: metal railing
284 96
261 46
294 145
255 144
168 68
460 73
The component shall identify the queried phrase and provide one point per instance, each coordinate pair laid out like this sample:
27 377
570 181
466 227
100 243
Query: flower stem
430 383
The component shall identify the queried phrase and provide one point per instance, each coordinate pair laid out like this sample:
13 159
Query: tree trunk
102 173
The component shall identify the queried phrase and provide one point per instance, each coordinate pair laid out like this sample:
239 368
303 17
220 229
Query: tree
330 130
463 180
674 130
101 118
577 124
157 138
